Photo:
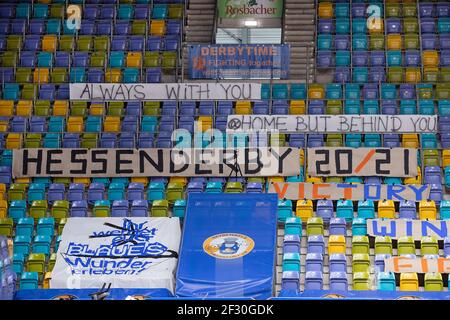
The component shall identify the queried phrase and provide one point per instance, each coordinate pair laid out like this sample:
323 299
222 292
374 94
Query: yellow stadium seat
75 124
60 107
41 75
394 42
24 108
304 209
112 124
427 210
325 10
413 75
275 179
204 123
157 27
409 281
4 125
97 109
297 107
3 209
181 180
311 179
6 108
14 141
85 181
316 92
46 282
336 244
143 180
2 191
410 140
113 76
377 26
386 209
446 158
414 180
302 157
430 58
243 107
49 43
25 181
134 59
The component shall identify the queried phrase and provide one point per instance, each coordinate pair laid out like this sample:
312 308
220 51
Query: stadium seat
409 281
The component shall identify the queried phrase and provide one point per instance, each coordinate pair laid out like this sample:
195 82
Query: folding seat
325 26
383 245
76 192
411 42
116 191
432 175
45 226
38 209
55 192
313 280
337 263
159 208
361 281
429 245
304 209
443 25
394 58
60 210
95 75
360 244
337 226
372 140
17 209
80 59
101 208
36 191
141 11
409 281
78 208
433 281
6 227
386 281
393 25
17 191
108 140
291 261
290 281
336 244
119 208
291 243
29 280
314 262
386 209
366 209
315 244
344 209
410 141
361 262
427 210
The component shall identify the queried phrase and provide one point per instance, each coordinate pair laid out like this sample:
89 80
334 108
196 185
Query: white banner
362 162
126 252
420 265
336 191
396 228
164 91
36 162
333 123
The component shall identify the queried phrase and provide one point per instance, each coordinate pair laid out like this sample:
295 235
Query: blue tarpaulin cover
228 246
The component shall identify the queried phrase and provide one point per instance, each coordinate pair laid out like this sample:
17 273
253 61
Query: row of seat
328 10
390 26
385 281
427 209
61 209
393 58
92 11
15 37
7 275
167 66
407 42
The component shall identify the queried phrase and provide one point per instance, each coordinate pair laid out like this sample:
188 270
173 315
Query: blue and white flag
126 252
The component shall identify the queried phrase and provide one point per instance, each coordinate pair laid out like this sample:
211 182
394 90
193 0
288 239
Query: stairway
200 25
300 33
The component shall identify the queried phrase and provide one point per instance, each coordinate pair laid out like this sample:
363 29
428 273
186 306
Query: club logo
228 245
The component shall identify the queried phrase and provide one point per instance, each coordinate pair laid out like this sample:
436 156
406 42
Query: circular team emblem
228 245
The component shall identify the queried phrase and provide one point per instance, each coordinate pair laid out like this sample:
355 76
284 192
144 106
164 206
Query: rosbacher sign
238 9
